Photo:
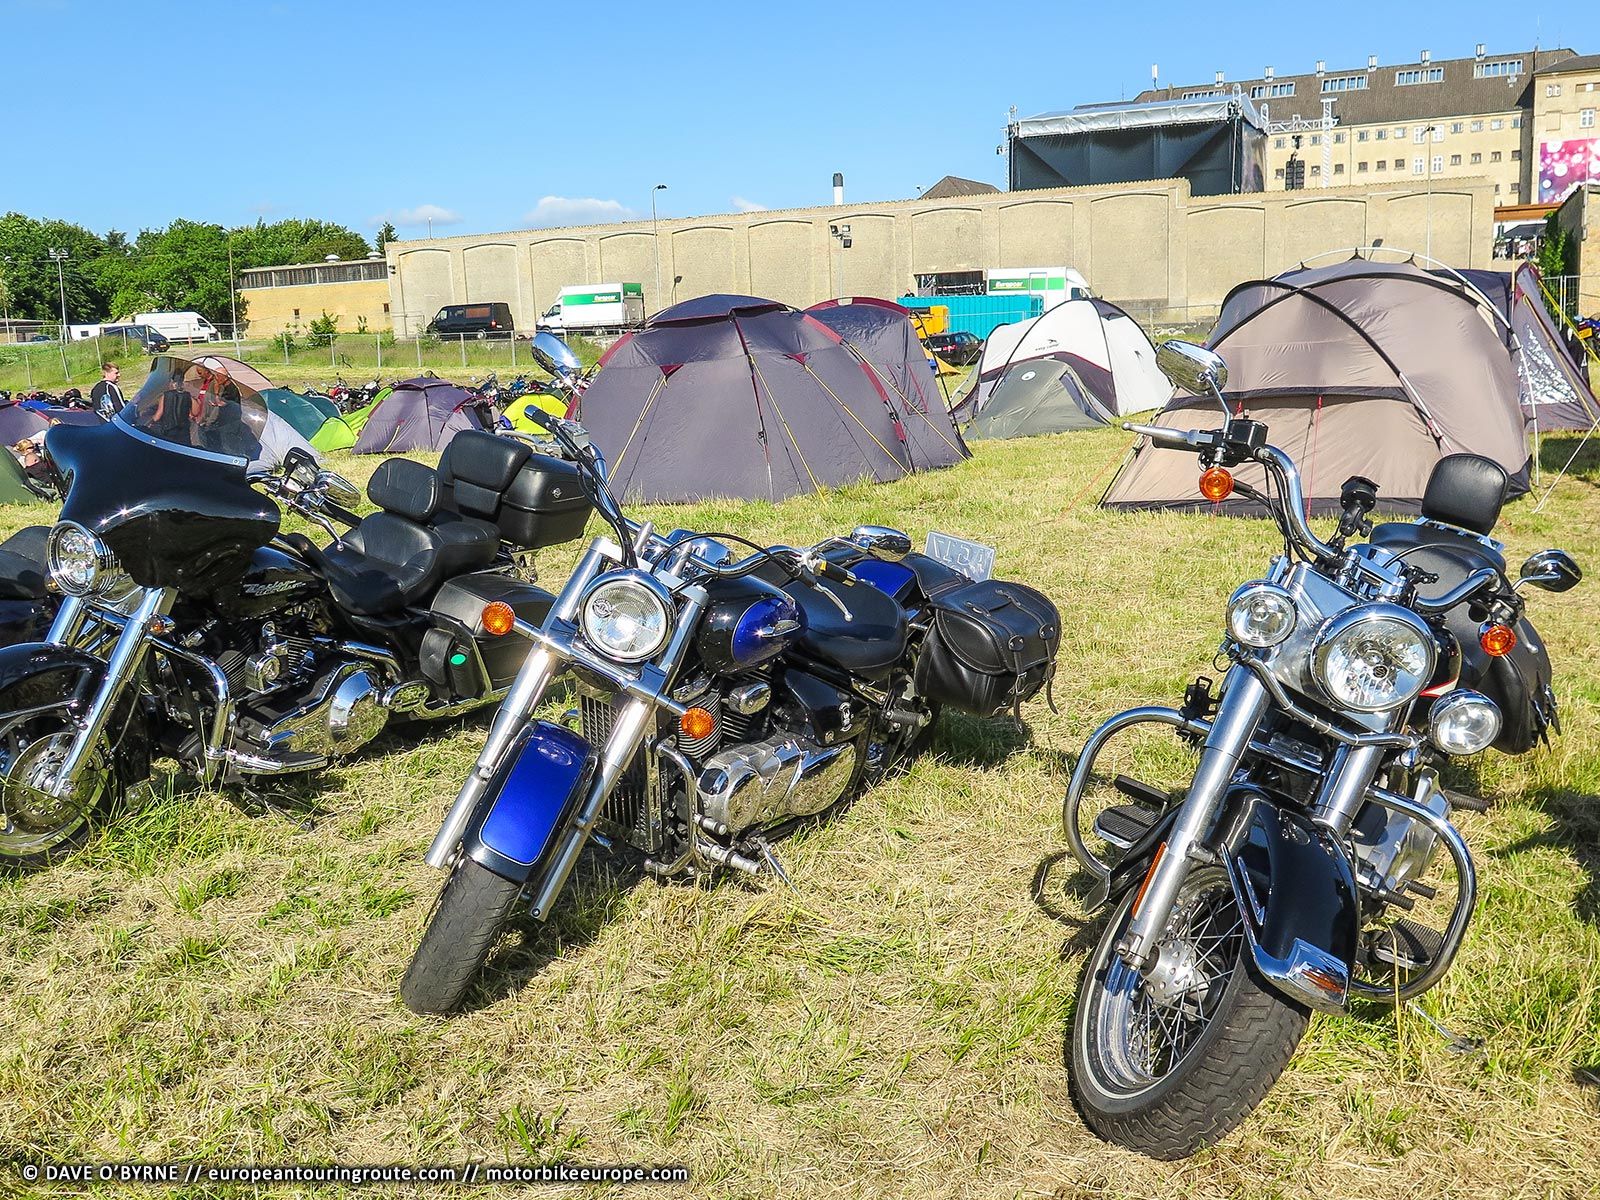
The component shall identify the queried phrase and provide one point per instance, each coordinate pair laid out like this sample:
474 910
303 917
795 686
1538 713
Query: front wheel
462 930
36 828
1168 1061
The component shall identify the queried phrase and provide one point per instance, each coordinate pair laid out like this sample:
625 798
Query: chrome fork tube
627 731
121 667
1244 703
1344 787
69 620
524 696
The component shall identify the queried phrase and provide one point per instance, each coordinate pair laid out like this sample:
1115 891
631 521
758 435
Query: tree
294 241
385 235
182 267
29 275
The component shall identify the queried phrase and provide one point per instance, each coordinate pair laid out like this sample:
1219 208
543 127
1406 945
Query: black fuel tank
273 580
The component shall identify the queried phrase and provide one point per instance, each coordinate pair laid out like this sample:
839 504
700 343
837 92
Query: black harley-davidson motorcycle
1287 877
191 626
722 701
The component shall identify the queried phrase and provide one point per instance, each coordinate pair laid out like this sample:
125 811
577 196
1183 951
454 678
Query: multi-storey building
1524 120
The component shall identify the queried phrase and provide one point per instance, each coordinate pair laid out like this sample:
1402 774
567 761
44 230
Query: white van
179 326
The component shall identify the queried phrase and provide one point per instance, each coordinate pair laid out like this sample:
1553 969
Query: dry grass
204 983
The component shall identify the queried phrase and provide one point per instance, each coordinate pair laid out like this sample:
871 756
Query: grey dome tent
744 398
419 414
880 333
1361 368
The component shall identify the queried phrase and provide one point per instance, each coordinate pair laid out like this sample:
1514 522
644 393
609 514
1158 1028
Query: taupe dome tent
1362 368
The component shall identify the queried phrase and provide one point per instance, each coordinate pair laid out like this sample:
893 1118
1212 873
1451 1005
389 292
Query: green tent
357 419
14 487
319 423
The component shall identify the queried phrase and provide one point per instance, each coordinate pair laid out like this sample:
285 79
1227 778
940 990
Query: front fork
122 667
1244 702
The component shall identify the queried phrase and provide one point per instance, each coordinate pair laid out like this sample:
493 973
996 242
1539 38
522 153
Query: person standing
106 396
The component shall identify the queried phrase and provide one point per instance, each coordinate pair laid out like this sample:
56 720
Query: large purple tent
881 334
739 397
419 414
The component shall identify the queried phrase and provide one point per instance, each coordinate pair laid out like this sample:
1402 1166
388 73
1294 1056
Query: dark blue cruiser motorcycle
1299 870
722 701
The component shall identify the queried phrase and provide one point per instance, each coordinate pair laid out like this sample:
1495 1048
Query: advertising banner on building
1562 165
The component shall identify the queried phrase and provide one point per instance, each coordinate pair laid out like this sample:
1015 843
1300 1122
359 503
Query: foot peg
1124 824
1405 945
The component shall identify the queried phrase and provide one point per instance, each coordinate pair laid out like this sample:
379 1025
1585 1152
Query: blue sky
499 116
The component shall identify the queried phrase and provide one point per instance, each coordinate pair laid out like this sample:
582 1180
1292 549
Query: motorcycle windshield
198 411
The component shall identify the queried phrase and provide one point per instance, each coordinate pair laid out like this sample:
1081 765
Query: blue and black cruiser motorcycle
1297 872
722 702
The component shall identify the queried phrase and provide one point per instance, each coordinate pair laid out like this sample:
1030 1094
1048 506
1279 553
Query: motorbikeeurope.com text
193 1173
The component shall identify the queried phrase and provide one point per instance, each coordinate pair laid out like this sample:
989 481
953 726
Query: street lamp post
233 295
59 257
1427 235
655 240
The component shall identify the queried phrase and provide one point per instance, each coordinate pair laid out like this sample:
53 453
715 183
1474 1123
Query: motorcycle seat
396 557
22 564
869 643
1459 507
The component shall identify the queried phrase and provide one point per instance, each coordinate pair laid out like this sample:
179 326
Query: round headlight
627 616
1374 658
76 558
1463 722
1260 615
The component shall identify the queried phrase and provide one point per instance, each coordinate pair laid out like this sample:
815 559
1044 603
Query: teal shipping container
979 314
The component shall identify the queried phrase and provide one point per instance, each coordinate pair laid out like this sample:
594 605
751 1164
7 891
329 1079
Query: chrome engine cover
1392 846
760 782
344 712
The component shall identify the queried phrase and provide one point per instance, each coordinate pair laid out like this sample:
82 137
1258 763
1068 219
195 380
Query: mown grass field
208 982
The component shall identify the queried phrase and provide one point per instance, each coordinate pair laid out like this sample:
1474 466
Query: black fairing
172 519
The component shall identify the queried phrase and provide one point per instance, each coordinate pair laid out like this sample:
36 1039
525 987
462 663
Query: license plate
972 559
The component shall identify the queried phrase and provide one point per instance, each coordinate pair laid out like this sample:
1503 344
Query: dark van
152 341
472 320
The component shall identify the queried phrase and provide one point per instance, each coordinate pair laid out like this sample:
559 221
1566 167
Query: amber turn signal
696 724
1216 484
1497 640
498 618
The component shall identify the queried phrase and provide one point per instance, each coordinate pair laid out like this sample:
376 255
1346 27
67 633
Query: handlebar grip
1171 439
835 572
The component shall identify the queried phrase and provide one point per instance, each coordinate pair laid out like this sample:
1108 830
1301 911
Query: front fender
529 801
44 671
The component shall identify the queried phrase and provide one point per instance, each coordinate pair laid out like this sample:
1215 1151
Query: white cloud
577 210
740 204
420 215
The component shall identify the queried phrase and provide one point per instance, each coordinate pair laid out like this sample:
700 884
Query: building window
1516 122
386 310
297 314
1279 173
1456 127
1400 164
1421 75
1494 156
1516 156
1477 127
1316 139
1552 89
1438 162
1419 134
1268 90
1280 143
1418 166
1476 159
1455 160
1316 170
1489 70
1344 83
1586 118
1338 139
1497 124
1382 135
1361 168
1399 133
1338 168
1361 135
1383 164
1438 132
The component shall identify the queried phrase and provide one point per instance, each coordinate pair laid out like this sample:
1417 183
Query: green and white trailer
596 308
1053 285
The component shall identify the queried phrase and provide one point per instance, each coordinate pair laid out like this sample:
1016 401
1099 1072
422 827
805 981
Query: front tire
463 928
37 829
1170 1062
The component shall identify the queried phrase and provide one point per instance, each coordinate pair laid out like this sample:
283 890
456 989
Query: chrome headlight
78 562
627 615
1463 722
1260 614
1374 657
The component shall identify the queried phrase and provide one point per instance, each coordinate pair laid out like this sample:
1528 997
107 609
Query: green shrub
323 330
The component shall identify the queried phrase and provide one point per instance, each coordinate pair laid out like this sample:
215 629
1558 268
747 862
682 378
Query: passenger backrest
406 489
476 471
1465 490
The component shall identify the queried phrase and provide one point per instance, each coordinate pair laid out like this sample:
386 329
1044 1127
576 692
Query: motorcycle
722 702
1278 882
191 626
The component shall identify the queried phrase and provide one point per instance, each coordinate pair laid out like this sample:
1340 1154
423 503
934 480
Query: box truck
178 326
1054 285
595 308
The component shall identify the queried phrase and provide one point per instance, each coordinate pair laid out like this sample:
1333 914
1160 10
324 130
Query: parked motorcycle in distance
191 627
1279 883
722 702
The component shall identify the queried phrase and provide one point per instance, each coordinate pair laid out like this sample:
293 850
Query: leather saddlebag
992 646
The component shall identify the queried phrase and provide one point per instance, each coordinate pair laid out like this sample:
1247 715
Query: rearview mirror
879 541
554 355
338 489
1193 368
1552 570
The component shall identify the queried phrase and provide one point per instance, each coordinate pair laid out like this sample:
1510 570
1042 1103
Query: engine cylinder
759 782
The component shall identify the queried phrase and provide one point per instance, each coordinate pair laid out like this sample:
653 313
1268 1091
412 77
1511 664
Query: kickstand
259 803
1454 1042
769 857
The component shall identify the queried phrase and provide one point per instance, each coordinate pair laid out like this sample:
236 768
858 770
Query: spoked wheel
1169 1060
37 828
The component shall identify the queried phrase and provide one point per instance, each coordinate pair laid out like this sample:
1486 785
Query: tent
278 437
1080 364
740 397
241 373
1553 391
881 334
14 485
319 424
1360 368
18 421
356 418
419 414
